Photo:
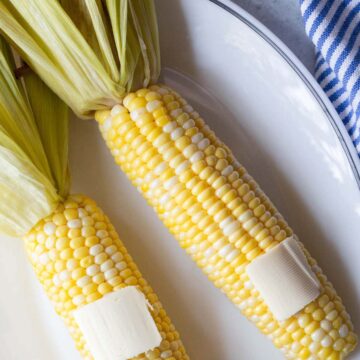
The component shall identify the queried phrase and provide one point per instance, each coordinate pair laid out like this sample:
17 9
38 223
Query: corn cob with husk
73 247
209 202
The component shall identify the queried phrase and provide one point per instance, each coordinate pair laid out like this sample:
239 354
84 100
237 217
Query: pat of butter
118 326
284 279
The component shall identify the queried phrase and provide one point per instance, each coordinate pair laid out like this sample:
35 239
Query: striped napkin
334 28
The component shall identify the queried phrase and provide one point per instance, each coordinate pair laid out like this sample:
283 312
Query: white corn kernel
177 133
165 199
199 155
227 171
44 258
107 265
110 250
83 281
219 244
87 220
96 249
79 299
209 252
160 168
107 123
121 265
189 151
64 275
72 264
188 108
52 254
226 222
118 256
117 109
153 105
102 234
230 228
93 270
245 216
154 184
56 280
314 347
137 113
163 91
175 113
326 341
99 258
189 124
326 325
208 269
233 255
168 128
74 224
226 250
182 167
197 138
109 274
170 183
204 143
49 228
248 285
318 335
82 213
332 315
344 330
192 249
166 354
50 242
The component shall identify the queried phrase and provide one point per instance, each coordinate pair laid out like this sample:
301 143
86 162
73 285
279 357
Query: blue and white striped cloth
334 28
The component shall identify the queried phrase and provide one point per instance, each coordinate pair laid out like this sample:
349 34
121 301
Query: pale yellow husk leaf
89 52
33 173
26 195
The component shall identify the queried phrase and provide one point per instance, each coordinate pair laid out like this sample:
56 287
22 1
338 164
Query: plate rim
278 45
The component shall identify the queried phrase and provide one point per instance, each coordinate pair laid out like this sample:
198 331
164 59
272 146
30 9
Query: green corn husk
89 52
33 173
54 134
91 20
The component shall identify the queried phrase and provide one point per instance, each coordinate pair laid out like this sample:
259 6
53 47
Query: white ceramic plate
269 110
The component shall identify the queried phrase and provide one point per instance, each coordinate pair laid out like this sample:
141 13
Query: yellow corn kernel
104 288
81 252
86 261
89 289
91 241
77 242
70 214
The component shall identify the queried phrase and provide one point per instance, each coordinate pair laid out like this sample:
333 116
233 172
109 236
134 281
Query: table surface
289 28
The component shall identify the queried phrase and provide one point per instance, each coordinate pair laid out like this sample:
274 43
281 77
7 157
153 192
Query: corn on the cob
78 258
73 247
218 214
